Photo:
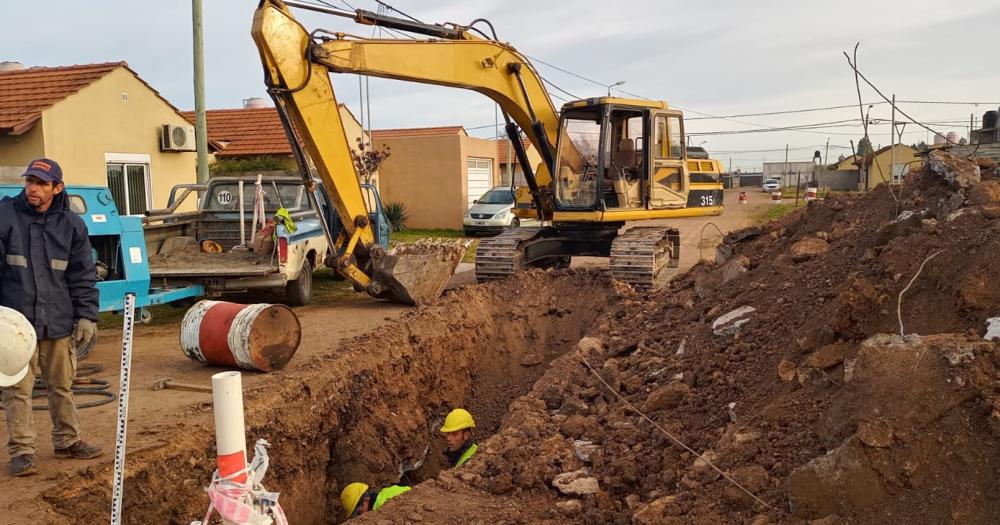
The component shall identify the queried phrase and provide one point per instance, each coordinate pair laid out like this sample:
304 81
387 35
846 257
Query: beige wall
81 129
881 169
17 151
354 131
425 174
482 149
534 158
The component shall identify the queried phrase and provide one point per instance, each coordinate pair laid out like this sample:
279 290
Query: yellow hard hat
458 419
350 496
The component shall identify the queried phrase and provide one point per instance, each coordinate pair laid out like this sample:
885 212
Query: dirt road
327 326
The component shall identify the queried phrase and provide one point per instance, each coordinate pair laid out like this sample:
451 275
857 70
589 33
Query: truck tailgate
198 264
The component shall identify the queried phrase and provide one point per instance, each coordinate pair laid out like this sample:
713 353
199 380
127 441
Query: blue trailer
119 251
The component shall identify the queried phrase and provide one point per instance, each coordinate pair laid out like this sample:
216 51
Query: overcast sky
707 58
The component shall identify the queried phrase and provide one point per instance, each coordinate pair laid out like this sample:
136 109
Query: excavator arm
296 59
305 100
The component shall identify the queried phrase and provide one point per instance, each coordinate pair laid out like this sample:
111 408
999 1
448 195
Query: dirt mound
795 397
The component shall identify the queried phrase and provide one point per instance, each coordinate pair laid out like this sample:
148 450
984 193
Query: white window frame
132 158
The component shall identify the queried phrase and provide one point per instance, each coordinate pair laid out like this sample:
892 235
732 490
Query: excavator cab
607 162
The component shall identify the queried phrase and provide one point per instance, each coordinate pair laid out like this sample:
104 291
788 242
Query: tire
469 233
299 291
515 223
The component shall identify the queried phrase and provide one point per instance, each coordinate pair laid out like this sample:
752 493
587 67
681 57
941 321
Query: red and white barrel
776 197
744 197
811 194
260 337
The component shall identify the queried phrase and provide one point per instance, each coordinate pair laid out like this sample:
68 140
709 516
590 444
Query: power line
787 112
391 8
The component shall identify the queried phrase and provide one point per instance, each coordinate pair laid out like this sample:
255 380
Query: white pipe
230 433
243 235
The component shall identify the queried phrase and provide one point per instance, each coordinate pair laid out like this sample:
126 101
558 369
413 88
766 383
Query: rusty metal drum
260 337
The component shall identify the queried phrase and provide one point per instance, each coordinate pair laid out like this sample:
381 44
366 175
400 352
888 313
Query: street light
620 82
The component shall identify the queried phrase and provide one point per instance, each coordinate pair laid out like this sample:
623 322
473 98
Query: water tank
11 66
254 103
990 119
952 137
939 139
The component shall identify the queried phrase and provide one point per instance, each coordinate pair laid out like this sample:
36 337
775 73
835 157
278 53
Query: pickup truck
288 268
122 246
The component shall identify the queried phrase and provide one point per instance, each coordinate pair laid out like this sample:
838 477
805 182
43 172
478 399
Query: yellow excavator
605 160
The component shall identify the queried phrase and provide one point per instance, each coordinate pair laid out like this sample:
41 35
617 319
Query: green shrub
260 163
395 213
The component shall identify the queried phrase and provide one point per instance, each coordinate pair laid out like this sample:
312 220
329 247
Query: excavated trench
370 409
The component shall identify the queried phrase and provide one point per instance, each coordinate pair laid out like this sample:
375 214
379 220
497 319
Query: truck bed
199 264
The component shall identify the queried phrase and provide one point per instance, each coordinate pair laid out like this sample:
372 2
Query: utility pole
826 156
892 142
510 162
786 166
200 123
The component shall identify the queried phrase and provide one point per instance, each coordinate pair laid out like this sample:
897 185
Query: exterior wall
534 158
980 150
881 167
480 149
789 172
840 180
82 128
17 151
355 131
427 174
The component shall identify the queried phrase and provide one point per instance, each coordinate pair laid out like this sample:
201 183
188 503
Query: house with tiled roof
102 123
436 172
255 131
512 169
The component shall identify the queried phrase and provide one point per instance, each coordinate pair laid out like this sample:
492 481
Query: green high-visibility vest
387 494
467 455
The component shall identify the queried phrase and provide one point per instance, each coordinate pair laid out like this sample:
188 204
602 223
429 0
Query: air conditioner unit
177 138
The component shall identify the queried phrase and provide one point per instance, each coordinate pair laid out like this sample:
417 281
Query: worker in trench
457 429
359 498
47 274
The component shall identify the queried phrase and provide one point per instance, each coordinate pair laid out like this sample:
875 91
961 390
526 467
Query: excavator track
642 255
499 257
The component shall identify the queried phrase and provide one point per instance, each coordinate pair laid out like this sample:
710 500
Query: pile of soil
812 402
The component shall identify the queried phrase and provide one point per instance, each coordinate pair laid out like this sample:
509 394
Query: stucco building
877 167
102 123
436 172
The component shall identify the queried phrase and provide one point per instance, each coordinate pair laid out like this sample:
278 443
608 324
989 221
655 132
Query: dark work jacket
46 268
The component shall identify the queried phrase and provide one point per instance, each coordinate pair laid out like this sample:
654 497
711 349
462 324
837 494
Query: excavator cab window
579 166
624 154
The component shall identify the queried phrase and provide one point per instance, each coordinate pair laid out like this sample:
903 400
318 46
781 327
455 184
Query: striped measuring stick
126 368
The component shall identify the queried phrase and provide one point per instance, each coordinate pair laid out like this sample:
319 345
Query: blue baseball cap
46 169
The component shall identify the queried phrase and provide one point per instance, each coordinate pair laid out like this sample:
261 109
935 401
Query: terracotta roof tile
25 93
502 150
381 134
244 132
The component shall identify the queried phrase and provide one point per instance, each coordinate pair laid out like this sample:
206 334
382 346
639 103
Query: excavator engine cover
417 273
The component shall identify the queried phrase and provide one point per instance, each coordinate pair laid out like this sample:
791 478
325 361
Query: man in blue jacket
47 274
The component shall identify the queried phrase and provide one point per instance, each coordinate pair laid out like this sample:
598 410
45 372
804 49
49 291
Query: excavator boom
306 103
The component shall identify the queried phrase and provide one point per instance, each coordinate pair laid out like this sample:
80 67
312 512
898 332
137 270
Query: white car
492 213
772 185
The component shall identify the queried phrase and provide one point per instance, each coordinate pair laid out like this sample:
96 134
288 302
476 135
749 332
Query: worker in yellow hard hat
357 498
457 429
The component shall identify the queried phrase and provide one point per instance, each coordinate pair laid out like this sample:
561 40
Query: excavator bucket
417 273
